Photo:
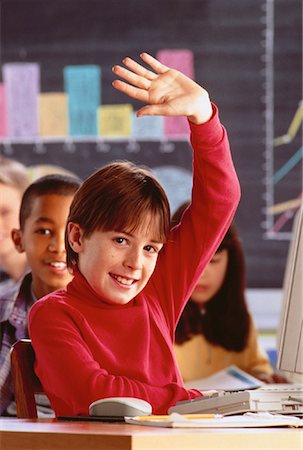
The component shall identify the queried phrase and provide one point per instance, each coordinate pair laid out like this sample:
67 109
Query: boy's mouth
59 265
123 280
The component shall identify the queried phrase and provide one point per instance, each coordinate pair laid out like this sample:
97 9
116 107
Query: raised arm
215 193
167 92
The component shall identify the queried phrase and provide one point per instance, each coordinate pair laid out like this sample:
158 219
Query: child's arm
167 92
215 192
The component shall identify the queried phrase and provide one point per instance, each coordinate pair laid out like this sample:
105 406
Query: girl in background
216 329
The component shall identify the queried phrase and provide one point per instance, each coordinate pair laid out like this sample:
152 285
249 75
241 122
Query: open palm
166 91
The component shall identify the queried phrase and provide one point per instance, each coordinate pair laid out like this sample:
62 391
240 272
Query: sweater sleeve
192 243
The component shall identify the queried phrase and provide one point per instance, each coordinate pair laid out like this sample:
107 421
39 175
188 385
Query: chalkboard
248 54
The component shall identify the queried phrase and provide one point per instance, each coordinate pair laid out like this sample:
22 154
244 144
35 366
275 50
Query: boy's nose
133 259
57 244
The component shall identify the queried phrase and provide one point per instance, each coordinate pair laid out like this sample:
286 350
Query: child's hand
167 92
273 378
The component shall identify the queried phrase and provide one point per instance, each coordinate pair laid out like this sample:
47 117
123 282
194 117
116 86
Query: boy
13 182
110 332
43 213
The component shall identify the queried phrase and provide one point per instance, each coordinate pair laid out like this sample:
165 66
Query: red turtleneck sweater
87 350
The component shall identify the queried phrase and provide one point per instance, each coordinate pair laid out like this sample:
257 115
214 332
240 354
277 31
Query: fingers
154 63
138 75
131 77
132 91
152 110
159 109
138 69
137 80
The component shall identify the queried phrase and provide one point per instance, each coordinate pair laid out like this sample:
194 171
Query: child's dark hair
226 319
116 198
49 184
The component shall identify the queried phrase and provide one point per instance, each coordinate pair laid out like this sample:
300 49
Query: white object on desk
120 406
248 420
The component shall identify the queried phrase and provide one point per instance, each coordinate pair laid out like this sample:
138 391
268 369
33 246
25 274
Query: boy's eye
150 249
120 240
43 231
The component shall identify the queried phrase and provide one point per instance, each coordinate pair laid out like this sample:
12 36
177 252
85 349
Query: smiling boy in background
43 214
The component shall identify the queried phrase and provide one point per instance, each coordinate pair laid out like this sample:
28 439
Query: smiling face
211 279
117 265
42 239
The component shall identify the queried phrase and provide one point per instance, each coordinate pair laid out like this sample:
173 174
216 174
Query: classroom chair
25 381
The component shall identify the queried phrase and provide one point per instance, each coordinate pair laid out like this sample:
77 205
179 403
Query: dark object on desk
93 418
26 383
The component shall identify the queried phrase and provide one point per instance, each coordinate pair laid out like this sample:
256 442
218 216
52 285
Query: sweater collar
80 290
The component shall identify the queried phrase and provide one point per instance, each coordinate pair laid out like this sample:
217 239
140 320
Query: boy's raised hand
166 91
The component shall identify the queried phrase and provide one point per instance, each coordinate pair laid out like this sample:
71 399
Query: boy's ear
16 235
75 236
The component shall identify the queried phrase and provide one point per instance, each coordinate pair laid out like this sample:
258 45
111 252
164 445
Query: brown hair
118 197
225 320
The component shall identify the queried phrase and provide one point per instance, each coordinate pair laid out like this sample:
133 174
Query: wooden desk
46 434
